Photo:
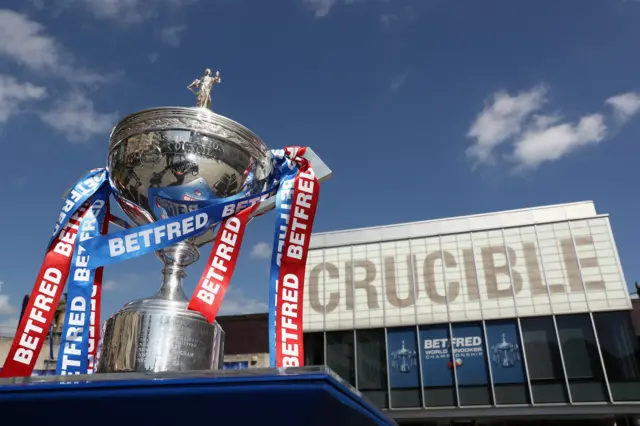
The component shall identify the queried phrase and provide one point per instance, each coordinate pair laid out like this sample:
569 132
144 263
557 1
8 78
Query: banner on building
469 354
507 362
403 358
437 364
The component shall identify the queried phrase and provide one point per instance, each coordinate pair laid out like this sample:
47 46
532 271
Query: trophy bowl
157 158
192 152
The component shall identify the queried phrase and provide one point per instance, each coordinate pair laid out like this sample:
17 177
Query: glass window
581 359
372 366
437 366
470 364
621 354
543 360
404 367
314 349
507 362
340 355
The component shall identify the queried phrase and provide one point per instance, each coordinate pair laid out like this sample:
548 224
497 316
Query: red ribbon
44 299
289 321
214 282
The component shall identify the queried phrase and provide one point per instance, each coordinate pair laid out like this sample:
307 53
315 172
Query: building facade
510 316
246 341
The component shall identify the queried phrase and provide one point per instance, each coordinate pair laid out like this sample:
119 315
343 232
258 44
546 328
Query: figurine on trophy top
205 86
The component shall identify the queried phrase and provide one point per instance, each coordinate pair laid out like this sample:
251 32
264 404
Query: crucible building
504 317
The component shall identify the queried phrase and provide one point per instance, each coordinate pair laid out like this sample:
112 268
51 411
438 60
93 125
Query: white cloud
502 118
538 138
625 105
11 322
26 42
17 183
6 308
235 303
109 285
127 279
547 142
407 14
76 118
153 57
37 4
13 94
321 8
8 326
398 81
173 35
124 11
261 250
388 18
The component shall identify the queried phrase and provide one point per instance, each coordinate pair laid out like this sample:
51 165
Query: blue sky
423 108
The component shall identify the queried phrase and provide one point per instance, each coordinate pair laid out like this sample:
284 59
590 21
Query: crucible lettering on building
535 275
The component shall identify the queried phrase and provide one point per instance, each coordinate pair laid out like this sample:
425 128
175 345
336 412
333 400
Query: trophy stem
171 288
175 258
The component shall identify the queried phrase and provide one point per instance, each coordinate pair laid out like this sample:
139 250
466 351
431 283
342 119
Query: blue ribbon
81 192
287 171
73 355
174 200
135 242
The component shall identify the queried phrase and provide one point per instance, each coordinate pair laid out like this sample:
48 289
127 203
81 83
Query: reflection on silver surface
175 147
158 158
150 336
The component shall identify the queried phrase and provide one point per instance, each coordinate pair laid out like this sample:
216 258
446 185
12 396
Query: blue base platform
303 396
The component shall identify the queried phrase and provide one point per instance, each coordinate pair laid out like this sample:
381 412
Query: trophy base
290 397
156 335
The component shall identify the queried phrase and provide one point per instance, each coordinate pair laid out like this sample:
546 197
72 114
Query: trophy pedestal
156 335
312 396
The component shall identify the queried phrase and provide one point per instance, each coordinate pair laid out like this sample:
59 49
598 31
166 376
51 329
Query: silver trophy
185 154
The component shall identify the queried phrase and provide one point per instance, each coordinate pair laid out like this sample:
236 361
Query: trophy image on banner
185 177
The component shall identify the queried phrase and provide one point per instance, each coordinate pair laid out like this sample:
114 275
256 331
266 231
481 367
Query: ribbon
135 242
86 207
290 286
40 310
214 282
96 302
78 195
287 169
73 356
